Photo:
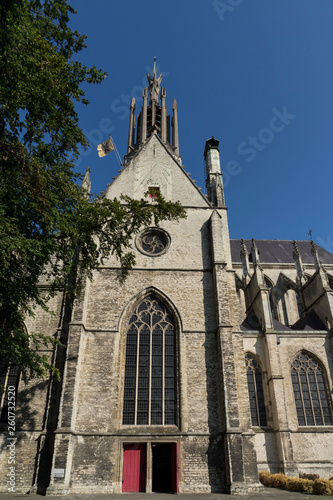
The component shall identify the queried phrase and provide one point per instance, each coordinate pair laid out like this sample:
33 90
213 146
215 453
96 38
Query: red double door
135 465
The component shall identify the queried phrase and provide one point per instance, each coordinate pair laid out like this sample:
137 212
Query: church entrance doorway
134 468
165 467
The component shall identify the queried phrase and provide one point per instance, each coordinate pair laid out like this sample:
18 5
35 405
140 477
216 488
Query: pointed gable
153 166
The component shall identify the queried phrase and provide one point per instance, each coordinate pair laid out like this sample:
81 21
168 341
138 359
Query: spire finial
255 253
245 261
86 183
154 84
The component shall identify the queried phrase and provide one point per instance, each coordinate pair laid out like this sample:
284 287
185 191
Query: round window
153 241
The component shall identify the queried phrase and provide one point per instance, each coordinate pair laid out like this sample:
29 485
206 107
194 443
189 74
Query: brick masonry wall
31 408
203 465
26 448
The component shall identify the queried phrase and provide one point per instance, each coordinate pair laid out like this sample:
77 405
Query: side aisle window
9 379
256 392
310 391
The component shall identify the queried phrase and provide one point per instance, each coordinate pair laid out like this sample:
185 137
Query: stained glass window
256 392
310 391
150 368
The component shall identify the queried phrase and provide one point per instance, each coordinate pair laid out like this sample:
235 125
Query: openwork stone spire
153 117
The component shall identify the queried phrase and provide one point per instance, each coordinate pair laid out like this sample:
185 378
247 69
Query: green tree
49 225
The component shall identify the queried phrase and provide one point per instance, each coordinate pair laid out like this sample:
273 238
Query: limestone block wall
267 456
313 452
190 245
155 166
95 464
191 293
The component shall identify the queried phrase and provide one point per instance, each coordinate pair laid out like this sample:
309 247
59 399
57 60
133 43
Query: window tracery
150 368
310 391
153 241
256 392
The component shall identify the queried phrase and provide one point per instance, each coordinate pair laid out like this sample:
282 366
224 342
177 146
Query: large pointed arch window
310 391
150 368
256 392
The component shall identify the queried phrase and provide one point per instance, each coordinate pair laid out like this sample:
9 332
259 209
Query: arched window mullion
150 366
163 377
256 392
313 375
254 373
137 376
310 396
320 403
155 385
301 393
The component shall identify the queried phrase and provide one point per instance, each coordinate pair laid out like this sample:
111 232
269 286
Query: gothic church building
212 362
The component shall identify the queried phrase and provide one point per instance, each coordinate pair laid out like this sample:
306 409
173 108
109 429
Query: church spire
153 117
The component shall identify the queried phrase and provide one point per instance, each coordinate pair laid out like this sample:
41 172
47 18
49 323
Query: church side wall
99 414
312 446
31 411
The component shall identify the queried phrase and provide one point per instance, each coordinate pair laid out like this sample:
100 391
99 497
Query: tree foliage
51 230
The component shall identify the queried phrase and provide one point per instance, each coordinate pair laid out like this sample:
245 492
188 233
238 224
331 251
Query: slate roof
280 251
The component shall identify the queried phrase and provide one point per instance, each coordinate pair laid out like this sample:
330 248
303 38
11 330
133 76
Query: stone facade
225 299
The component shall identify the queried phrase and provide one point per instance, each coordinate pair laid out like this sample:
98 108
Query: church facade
211 362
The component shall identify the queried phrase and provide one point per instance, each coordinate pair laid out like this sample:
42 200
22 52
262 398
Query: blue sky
255 74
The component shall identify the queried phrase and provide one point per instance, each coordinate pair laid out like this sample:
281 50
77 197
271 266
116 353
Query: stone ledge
240 488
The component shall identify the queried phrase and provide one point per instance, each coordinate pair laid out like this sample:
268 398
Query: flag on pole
105 148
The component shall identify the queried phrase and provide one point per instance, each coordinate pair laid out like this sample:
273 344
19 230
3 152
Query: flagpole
116 151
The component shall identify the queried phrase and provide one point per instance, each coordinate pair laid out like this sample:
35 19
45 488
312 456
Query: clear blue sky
234 66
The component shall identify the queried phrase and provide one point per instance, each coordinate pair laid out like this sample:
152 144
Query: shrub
279 481
322 487
312 477
299 484
303 485
265 478
285 482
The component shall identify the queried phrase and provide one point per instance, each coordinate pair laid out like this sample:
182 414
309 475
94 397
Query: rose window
153 241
